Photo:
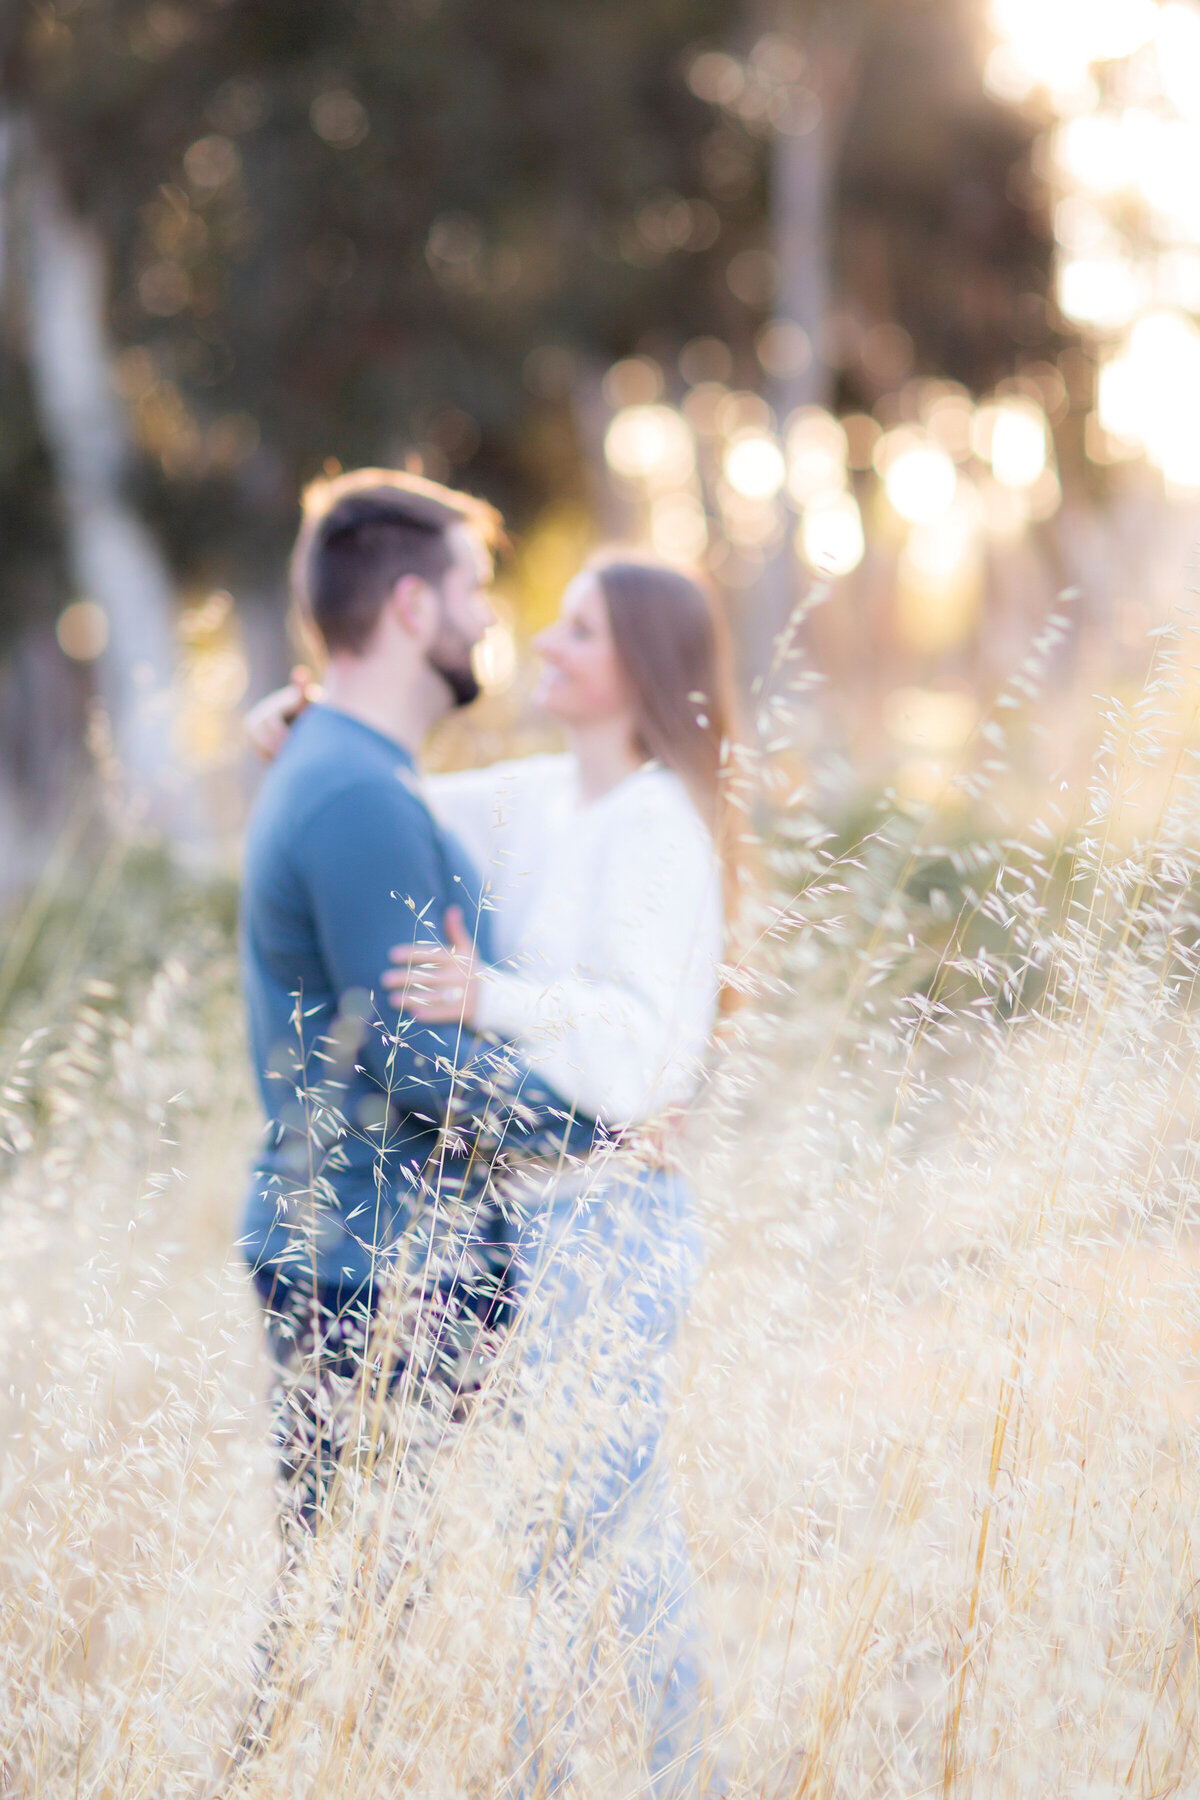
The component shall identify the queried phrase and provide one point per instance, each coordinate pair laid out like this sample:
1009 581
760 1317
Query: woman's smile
581 680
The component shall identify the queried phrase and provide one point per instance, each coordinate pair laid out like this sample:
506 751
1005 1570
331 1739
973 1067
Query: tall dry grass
934 1433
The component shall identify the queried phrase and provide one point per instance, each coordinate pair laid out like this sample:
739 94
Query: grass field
935 1422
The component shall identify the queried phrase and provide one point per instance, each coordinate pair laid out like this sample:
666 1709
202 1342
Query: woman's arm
620 1036
486 808
267 724
623 1035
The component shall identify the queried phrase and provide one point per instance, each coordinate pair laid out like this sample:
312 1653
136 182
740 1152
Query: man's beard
458 677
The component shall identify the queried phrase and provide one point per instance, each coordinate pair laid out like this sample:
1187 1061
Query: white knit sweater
607 926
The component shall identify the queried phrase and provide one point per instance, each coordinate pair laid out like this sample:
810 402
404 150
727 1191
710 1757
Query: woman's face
581 681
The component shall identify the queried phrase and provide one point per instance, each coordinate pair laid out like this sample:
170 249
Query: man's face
466 613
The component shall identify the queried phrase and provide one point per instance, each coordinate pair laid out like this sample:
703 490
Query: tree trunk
115 560
804 166
802 174
7 138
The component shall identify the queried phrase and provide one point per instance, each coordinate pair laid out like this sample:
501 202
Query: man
343 861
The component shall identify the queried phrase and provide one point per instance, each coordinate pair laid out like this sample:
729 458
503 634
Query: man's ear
413 605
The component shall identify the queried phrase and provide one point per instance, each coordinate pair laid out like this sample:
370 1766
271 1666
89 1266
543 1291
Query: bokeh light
82 630
494 658
937 614
1018 448
702 407
754 465
817 452
213 677
1149 395
1104 292
705 359
679 528
637 381
744 410
830 537
1054 43
1005 511
1177 38
750 522
1122 159
939 550
1095 151
948 420
930 718
1044 495
920 480
784 348
650 443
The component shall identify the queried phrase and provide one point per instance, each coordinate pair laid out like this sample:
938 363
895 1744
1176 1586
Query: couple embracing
473 999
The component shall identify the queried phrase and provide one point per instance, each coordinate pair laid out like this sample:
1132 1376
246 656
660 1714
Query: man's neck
403 705
606 754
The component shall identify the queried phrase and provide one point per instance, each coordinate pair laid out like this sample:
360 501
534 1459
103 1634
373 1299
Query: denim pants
327 1373
603 1268
455 1300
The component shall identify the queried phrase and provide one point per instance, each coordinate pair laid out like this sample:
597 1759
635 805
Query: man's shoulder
320 787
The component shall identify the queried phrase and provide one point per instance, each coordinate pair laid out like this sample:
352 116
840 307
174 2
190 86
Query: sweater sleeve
485 808
370 863
622 1035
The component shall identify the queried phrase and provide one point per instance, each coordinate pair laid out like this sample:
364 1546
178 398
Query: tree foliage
405 226
341 231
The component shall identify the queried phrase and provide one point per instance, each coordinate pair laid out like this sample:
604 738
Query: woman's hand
435 983
267 724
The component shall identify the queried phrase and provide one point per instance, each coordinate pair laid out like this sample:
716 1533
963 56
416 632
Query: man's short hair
361 533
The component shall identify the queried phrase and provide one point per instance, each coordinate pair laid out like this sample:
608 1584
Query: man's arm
375 872
369 860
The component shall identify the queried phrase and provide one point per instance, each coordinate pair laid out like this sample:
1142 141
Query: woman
604 874
600 863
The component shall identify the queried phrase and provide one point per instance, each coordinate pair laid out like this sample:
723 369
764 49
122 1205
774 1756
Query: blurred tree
905 235
340 231
115 560
332 232
942 225
816 51
410 226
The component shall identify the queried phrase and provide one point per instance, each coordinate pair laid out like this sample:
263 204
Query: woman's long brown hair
673 647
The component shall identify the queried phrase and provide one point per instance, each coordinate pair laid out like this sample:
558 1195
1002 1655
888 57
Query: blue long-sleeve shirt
344 860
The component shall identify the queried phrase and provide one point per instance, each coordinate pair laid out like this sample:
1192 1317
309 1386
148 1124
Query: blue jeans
603 1272
319 1321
